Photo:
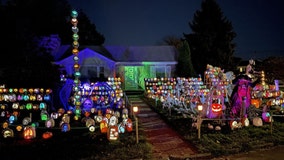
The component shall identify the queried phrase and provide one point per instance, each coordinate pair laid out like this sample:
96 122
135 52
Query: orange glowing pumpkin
103 126
255 102
216 108
47 135
29 132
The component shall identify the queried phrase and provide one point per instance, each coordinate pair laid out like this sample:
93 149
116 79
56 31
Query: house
131 63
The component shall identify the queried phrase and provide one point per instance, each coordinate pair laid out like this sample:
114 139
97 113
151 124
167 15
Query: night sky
259 24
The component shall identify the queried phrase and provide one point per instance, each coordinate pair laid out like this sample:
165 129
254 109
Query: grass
76 144
225 141
84 145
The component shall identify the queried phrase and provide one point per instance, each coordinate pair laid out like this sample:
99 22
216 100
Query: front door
130 78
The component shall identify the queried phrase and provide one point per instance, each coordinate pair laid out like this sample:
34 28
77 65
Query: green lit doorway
130 78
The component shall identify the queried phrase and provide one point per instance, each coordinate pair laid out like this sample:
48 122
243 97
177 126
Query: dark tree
88 34
273 69
184 67
24 62
211 40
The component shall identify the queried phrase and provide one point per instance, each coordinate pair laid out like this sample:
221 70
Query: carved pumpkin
8 133
112 133
216 108
266 117
29 132
245 121
47 135
255 102
103 126
50 123
233 125
129 125
65 127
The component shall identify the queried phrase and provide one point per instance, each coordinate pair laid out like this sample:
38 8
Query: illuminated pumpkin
92 128
257 122
47 97
65 127
8 133
121 128
32 97
31 90
29 132
266 117
5 125
245 121
90 122
61 111
103 126
112 133
76 66
44 115
19 128
216 108
26 121
75 51
15 105
234 125
48 91
50 123
39 97
255 102
129 125
47 135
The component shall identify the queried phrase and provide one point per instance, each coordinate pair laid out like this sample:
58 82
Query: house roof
84 56
122 53
143 53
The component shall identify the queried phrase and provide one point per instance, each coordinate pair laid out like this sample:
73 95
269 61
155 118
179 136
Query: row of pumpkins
107 124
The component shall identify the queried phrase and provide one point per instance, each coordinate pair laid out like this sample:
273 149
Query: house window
101 71
92 72
161 71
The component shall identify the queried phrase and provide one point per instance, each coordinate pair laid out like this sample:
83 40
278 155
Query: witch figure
241 95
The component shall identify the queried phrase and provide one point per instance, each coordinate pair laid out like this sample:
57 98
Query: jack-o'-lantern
129 126
121 128
32 97
103 126
255 102
19 128
15 105
47 135
44 115
233 124
90 122
8 133
50 123
245 121
65 127
216 108
26 121
29 132
92 128
112 133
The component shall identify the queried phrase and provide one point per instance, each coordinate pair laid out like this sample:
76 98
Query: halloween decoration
29 132
112 133
241 96
47 135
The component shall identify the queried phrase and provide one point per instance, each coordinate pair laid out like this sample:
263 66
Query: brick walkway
167 144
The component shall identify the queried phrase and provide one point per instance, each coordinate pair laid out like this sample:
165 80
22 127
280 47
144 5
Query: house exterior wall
132 76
